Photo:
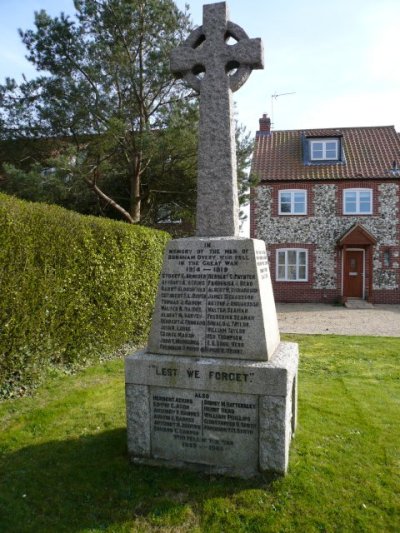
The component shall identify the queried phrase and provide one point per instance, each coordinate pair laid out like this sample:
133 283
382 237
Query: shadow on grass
88 482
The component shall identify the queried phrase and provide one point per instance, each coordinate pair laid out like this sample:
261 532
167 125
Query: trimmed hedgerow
72 287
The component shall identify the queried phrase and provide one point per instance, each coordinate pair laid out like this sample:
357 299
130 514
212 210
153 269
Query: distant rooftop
369 152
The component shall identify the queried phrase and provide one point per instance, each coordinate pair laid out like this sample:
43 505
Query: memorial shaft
224 68
217 194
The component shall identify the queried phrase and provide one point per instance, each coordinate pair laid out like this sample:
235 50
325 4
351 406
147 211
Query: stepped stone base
220 416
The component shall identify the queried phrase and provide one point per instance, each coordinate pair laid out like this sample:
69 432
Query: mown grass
63 463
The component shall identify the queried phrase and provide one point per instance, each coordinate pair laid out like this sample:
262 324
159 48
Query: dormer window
324 149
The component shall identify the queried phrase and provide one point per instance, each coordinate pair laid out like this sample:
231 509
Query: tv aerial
274 97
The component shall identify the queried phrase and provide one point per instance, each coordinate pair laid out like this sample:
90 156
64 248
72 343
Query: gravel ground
382 320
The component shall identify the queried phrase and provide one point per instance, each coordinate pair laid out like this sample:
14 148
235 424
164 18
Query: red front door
353 274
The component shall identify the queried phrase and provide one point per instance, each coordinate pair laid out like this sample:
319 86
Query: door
354 274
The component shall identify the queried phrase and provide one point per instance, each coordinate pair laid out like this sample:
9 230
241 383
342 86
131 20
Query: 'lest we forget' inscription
208 301
201 426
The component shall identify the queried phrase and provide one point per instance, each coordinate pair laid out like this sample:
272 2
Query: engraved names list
203 424
209 298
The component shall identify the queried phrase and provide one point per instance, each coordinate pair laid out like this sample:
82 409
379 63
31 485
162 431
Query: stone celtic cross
214 68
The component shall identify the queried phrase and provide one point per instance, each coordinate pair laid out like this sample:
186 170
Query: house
327 206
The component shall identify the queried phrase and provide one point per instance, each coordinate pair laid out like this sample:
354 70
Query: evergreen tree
106 85
123 125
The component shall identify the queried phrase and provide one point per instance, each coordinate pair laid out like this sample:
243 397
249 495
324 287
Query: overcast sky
339 57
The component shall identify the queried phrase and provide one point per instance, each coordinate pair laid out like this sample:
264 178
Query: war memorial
215 389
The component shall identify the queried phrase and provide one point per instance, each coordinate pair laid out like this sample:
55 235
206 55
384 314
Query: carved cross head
207 55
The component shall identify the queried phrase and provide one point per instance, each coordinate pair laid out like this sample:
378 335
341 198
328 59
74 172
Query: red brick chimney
265 124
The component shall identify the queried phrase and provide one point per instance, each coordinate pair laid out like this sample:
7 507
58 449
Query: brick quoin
305 292
368 158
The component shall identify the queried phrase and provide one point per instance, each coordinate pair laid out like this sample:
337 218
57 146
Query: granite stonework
215 297
222 416
215 389
207 51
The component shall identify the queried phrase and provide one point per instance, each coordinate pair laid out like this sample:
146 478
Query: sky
340 58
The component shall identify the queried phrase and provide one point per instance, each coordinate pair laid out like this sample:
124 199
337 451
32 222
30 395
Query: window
357 202
324 150
167 214
292 202
291 264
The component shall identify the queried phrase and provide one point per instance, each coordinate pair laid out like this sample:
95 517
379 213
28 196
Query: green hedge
71 288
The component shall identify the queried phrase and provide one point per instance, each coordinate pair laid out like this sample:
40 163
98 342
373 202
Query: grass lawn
63 463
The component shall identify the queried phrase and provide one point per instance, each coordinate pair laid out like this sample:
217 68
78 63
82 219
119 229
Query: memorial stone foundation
215 389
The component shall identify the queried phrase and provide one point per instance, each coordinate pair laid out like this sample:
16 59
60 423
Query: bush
72 287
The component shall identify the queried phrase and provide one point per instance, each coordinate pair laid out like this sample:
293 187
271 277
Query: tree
244 150
123 125
106 85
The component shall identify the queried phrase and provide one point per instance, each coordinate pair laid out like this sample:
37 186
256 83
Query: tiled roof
369 152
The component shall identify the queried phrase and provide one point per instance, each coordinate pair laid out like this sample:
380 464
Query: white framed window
324 149
291 264
293 202
357 201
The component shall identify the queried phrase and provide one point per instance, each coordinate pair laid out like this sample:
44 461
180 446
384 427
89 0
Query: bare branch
96 189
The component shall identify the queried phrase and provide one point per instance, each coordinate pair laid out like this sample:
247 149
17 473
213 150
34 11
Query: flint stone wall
324 226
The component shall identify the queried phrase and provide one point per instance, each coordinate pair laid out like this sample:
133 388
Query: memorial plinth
218 416
215 389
